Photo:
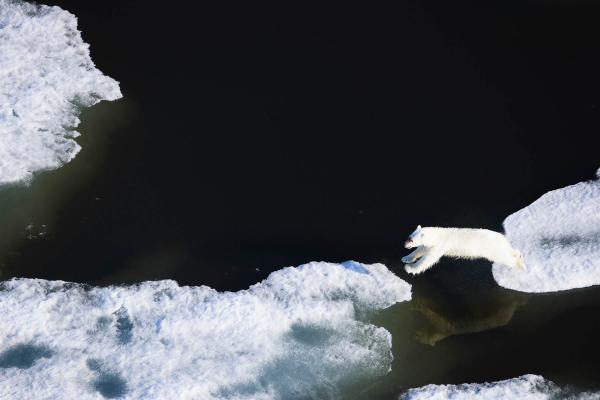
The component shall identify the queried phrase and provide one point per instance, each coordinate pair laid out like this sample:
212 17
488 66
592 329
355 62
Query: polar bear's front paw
408 259
412 270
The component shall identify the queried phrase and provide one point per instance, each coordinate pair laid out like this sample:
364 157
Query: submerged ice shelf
46 75
298 332
525 387
559 236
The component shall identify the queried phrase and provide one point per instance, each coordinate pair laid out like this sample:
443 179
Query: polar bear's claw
412 270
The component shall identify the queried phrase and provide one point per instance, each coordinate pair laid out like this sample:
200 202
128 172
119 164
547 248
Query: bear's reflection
444 318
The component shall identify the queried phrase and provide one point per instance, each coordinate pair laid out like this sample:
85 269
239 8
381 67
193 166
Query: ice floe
559 237
299 333
46 75
526 387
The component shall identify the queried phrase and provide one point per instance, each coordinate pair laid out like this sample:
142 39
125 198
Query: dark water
246 143
460 328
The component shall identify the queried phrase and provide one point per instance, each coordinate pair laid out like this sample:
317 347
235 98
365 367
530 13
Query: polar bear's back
474 243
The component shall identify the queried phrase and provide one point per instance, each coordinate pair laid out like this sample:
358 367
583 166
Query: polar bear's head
415 239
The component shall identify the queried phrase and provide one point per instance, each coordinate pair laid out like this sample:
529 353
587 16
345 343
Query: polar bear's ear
416 232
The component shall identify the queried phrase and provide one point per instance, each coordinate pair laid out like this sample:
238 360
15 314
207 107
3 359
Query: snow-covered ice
46 75
559 237
300 332
526 387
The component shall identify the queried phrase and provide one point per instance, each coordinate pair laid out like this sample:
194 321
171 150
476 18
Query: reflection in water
457 298
460 326
442 323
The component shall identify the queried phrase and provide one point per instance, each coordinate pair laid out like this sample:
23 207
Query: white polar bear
433 243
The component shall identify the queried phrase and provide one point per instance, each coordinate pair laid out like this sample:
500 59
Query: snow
46 75
559 237
300 332
526 387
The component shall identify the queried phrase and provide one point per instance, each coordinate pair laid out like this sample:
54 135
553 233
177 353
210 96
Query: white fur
434 243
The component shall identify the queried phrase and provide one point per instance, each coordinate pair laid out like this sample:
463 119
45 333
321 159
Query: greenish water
32 213
460 327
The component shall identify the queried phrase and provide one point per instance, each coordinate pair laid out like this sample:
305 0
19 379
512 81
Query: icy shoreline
559 237
525 387
46 75
297 332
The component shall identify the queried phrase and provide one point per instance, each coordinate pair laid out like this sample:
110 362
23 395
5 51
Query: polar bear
433 243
